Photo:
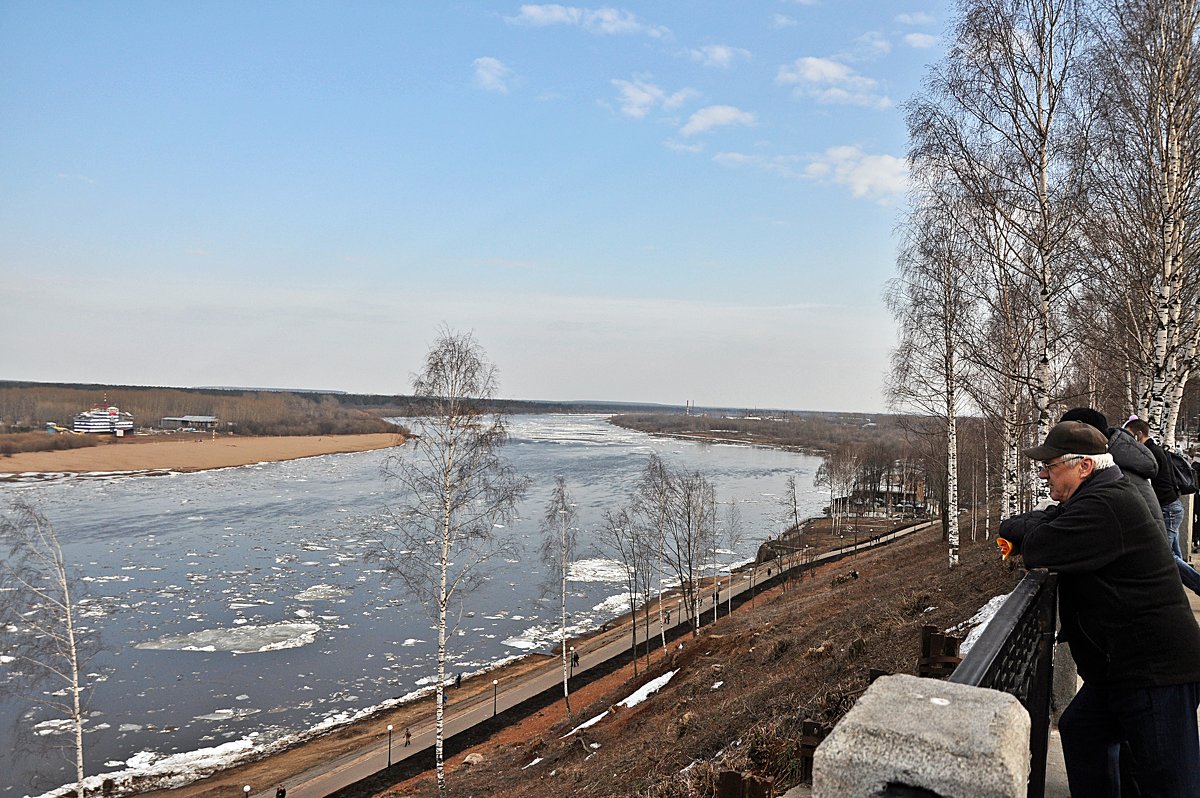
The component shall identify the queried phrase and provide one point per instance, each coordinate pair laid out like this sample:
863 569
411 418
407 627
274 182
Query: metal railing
1015 655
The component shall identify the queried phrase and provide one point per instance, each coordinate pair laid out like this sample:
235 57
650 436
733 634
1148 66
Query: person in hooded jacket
1138 463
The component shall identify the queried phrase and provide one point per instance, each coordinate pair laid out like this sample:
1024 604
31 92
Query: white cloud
718 55
639 97
782 165
814 70
783 21
915 18
868 47
715 116
921 41
492 74
603 20
880 178
679 146
831 82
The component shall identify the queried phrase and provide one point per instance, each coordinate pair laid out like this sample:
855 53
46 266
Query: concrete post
951 739
1066 681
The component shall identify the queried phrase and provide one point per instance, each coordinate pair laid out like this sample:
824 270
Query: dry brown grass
18 442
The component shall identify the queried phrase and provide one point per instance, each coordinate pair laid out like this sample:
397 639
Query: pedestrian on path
281 791
407 736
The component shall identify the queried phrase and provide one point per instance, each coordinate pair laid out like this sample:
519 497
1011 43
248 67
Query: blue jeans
1173 518
1158 723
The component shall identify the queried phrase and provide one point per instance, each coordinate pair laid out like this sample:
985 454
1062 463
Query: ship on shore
104 418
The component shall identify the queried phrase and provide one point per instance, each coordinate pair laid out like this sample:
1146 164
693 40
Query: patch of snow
586 724
648 689
977 623
641 694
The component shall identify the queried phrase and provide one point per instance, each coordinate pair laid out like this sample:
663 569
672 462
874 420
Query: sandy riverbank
192 452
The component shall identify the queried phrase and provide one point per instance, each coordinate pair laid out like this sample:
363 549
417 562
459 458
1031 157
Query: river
236 608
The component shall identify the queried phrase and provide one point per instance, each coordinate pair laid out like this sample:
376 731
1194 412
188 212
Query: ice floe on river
239 639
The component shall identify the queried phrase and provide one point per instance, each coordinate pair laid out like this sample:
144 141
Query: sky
645 201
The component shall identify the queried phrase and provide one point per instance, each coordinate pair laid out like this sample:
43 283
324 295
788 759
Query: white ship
104 419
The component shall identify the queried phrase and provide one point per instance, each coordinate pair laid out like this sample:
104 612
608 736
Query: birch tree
837 472
559 535
930 304
39 617
455 487
791 502
1145 180
623 536
653 499
690 537
1000 105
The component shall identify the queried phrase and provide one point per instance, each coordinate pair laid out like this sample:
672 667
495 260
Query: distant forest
29 406
806 431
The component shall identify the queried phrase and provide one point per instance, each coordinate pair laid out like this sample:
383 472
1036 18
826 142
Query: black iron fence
1015 654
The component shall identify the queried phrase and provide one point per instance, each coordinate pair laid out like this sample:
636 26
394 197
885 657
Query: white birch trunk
563 621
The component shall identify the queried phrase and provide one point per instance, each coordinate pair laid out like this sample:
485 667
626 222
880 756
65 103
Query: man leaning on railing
1124 614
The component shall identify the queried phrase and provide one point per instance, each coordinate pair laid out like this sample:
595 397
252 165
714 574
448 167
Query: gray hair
1099 461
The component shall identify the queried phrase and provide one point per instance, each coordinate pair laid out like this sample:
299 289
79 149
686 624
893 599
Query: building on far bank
104 418
190 422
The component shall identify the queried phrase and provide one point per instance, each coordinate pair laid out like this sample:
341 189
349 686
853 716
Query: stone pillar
950 739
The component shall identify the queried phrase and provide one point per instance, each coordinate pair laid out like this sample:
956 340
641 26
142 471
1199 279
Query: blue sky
642 202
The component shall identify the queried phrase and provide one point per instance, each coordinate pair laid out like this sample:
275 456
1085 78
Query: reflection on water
236 606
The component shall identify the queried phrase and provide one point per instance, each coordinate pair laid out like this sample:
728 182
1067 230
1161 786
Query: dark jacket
1164 480
1121 605
1139 466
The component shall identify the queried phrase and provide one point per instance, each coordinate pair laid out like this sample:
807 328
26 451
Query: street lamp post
246 791
572 660
495 686
389 745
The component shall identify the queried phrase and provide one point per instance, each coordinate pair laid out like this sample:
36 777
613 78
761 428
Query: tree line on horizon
1050 251
29 406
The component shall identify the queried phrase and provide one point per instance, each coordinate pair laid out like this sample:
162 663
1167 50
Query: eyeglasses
1046 468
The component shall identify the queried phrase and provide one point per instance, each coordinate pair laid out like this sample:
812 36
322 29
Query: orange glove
1006 547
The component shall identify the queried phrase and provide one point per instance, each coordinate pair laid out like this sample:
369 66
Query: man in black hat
1123 612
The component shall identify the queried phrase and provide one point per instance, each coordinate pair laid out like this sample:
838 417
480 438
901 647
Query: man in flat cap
1123 611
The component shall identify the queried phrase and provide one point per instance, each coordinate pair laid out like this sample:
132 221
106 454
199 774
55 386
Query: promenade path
593 651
